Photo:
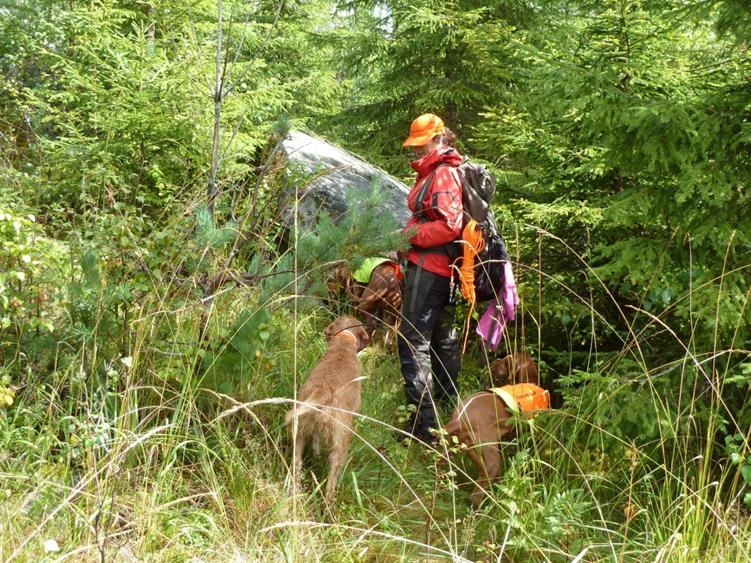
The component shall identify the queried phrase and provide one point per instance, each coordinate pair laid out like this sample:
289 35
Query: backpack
478 189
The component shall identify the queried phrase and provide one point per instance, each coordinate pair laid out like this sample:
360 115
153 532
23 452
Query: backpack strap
423 193
449 248
415 291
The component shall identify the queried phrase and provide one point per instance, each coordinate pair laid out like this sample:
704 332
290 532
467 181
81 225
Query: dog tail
299 410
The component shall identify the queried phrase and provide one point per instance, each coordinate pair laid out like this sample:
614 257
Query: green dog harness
365 272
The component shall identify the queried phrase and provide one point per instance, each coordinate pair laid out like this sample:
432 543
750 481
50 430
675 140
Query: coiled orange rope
474 243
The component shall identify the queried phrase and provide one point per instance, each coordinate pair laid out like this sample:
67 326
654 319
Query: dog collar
346 332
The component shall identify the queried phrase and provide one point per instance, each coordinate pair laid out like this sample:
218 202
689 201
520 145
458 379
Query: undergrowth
142 413
157 449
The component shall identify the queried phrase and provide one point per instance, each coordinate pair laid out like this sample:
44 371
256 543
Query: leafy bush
33 268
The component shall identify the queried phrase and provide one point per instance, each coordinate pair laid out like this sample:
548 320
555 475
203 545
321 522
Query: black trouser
428 345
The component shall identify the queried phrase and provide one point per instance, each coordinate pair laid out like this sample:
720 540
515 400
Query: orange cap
423 129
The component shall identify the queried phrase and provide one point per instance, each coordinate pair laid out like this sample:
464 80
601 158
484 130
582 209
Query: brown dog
378 300
518 367
482 420
329 399
381 299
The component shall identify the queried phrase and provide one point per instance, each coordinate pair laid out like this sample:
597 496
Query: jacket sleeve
446 206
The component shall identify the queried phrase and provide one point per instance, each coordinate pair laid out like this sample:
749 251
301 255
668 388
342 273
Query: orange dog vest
524 397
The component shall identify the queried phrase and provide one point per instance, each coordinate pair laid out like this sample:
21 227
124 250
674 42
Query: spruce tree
624 137
403 59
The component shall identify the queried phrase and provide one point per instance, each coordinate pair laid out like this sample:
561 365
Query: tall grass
181 455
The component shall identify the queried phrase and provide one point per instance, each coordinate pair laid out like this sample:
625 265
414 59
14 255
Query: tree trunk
218 94
151 29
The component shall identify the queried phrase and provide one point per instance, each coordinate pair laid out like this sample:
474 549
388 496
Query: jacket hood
439 155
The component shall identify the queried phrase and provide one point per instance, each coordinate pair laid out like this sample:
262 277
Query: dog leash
349 327
346 332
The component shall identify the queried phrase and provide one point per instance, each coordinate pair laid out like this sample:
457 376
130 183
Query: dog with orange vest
482 420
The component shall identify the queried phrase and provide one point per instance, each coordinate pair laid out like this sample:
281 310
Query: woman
428 343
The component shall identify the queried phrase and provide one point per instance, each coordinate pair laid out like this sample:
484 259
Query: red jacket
443 209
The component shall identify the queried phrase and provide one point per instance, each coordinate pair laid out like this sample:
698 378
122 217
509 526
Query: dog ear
500 371
330 330
363 337
526 371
